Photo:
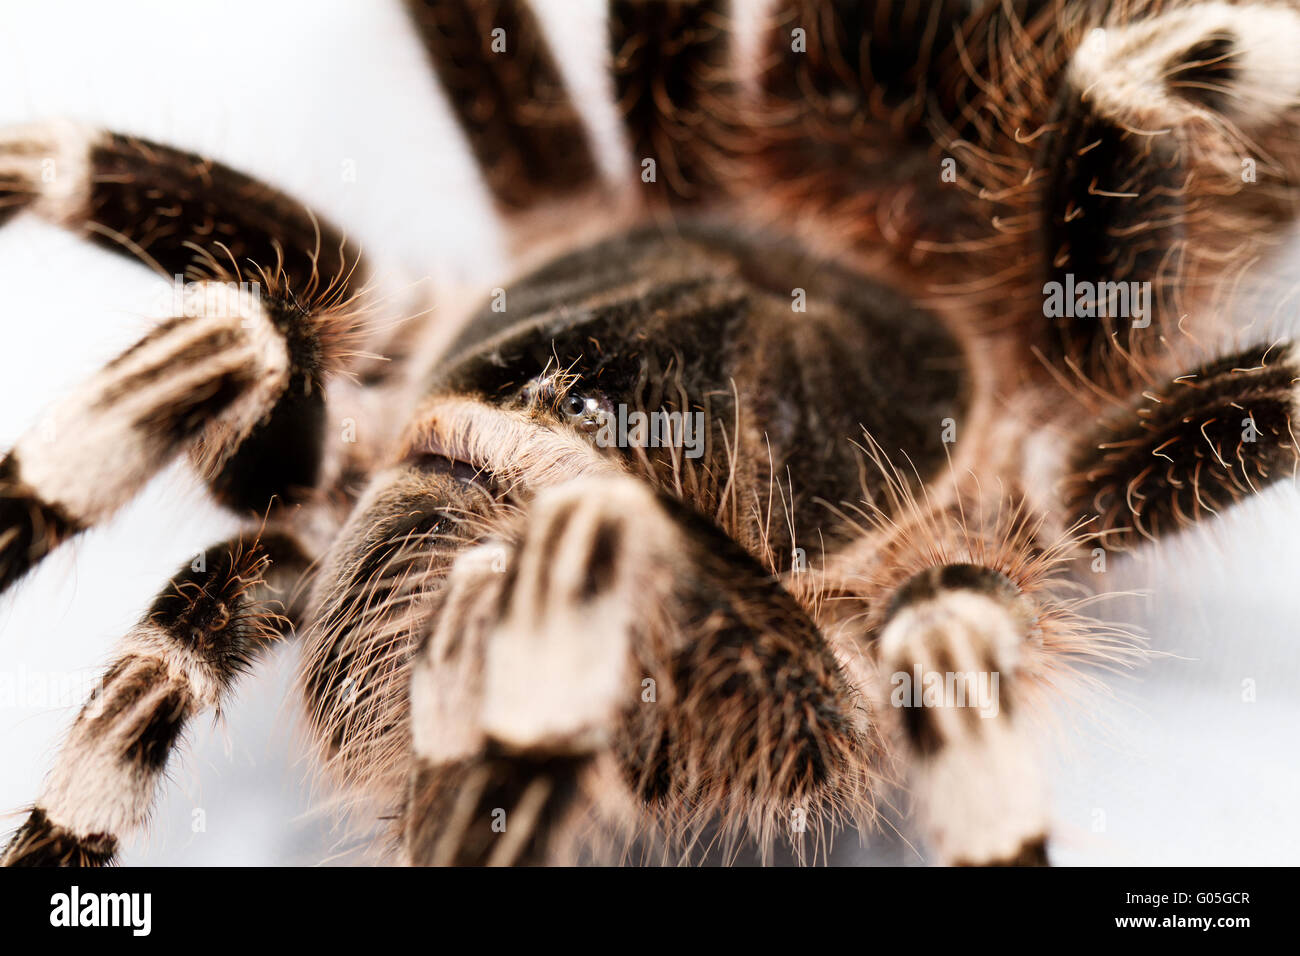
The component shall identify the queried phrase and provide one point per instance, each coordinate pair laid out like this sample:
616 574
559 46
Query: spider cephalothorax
760 497
700 323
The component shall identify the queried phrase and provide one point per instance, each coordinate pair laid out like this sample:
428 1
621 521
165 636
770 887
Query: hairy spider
760 493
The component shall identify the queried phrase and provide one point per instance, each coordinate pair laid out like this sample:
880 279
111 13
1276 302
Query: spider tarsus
1187 449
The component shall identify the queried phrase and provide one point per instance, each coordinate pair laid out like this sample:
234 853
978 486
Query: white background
1177 768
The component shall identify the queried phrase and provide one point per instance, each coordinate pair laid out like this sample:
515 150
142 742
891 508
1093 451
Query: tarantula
887 329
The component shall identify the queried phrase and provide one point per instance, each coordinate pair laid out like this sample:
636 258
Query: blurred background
1196 759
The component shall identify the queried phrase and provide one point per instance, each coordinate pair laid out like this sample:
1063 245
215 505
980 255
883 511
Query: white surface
1183 770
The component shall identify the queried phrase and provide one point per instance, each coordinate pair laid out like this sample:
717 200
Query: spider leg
854 100
464 791
203 382
366 616
179 212
668 64
623 627
967 632
509 98
208 626
237 375
950 649
673 84
1189 448
1164 163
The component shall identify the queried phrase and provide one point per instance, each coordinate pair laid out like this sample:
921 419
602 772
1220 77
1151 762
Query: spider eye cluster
576 405
585 410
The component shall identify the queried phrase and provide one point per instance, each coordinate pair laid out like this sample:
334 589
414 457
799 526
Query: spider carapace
766 496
